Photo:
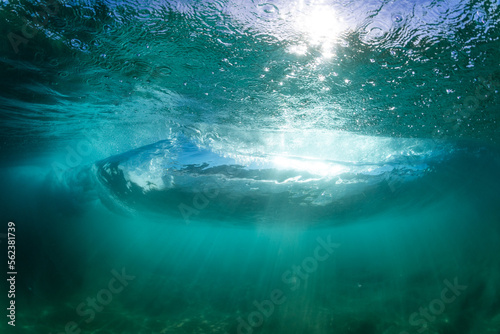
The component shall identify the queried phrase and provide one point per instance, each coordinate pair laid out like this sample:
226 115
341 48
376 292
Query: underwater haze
243 167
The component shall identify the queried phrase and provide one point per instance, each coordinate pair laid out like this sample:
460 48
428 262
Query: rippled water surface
251 166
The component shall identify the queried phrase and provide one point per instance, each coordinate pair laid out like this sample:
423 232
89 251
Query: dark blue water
250 167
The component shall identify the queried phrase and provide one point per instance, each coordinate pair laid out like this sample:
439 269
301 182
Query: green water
251 167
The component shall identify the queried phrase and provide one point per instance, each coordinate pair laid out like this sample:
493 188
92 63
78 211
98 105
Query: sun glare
315 167
320 25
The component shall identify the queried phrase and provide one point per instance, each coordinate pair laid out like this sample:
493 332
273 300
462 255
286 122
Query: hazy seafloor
251 167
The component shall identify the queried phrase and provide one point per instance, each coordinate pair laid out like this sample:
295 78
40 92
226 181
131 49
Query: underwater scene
250 166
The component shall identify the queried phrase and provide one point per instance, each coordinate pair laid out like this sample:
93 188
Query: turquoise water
251 167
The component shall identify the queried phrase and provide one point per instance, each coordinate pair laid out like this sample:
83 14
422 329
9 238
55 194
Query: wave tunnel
241 167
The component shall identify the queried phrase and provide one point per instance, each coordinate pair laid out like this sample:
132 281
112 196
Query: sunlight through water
250 166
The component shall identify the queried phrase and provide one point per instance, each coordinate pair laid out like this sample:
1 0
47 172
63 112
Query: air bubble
267 11
76 43
269 8
54 62
397 18
374 34
144 13
163 70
